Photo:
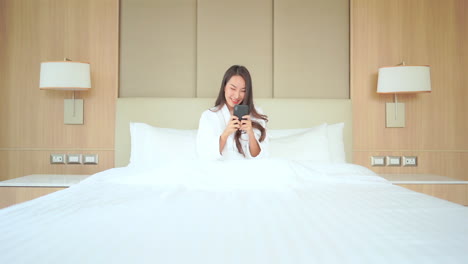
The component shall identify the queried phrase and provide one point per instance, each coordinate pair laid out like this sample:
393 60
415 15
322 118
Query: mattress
262 211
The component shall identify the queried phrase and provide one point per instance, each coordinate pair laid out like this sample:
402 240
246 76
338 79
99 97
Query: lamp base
73 112
395 115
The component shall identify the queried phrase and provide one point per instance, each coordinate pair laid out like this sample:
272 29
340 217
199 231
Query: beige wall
311 49
31 119
158 48
419 32
234 32
382 33
296 49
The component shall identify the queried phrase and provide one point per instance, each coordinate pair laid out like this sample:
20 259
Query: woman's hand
233 125
246 125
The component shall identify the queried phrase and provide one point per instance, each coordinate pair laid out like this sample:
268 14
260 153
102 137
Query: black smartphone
241 110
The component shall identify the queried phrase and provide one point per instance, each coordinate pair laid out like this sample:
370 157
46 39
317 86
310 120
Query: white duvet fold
278 175
263 212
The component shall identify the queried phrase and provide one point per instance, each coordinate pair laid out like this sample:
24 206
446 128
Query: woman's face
234 91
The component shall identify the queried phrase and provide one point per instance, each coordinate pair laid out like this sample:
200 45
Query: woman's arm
208 136
255 147
222 142
232 127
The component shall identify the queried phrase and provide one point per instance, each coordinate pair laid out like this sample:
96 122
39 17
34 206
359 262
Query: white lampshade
65 75
404 79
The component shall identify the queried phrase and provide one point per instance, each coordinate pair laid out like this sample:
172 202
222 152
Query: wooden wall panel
31 119
419 32
457 193
14 195
158 48
311 49
445 163
19 162
234 32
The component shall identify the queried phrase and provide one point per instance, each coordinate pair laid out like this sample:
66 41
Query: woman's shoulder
259 109
211 112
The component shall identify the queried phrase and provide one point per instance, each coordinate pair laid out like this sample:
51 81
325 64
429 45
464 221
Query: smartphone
241 110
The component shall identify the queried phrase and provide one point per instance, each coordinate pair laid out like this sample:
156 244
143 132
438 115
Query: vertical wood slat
457 193
420 32
385 33
18 162
35 31
445 163
14 195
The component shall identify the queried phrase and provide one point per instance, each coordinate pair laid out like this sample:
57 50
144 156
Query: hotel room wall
293 48
382 33
419 32
311 49
158 48
32 120
234 32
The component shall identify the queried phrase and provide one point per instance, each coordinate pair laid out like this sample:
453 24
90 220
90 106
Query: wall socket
410 161
74 159
395 161
57 158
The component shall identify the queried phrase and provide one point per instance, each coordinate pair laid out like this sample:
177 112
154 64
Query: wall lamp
67 75
402 79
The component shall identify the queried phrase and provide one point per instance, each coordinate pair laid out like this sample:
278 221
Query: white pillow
153 145
308 144
334 135
279 133
336 143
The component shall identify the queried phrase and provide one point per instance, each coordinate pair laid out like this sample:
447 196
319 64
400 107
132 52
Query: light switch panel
378 161
74 158
393 161
57 158
90 159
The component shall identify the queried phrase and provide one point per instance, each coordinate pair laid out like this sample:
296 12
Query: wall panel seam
273 49
196 49
409 150
56 149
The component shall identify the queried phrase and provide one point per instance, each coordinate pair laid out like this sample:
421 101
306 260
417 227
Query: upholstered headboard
184 113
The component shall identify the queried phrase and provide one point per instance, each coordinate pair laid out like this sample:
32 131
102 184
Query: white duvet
254 211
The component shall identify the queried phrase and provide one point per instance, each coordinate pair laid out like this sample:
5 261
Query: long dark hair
248 100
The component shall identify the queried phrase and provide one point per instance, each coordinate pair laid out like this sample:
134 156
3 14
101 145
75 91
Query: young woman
221 135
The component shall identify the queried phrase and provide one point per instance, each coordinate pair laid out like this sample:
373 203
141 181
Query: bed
298 206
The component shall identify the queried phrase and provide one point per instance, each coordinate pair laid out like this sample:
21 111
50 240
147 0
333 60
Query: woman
221 135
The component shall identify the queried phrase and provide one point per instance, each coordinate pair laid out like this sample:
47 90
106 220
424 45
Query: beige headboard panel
184 113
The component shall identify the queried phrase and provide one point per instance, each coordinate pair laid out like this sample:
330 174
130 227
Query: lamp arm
396 105
73 103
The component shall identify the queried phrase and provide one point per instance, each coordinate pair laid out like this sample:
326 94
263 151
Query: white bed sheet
269 211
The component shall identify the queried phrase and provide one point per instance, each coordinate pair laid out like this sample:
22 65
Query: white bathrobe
210 128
